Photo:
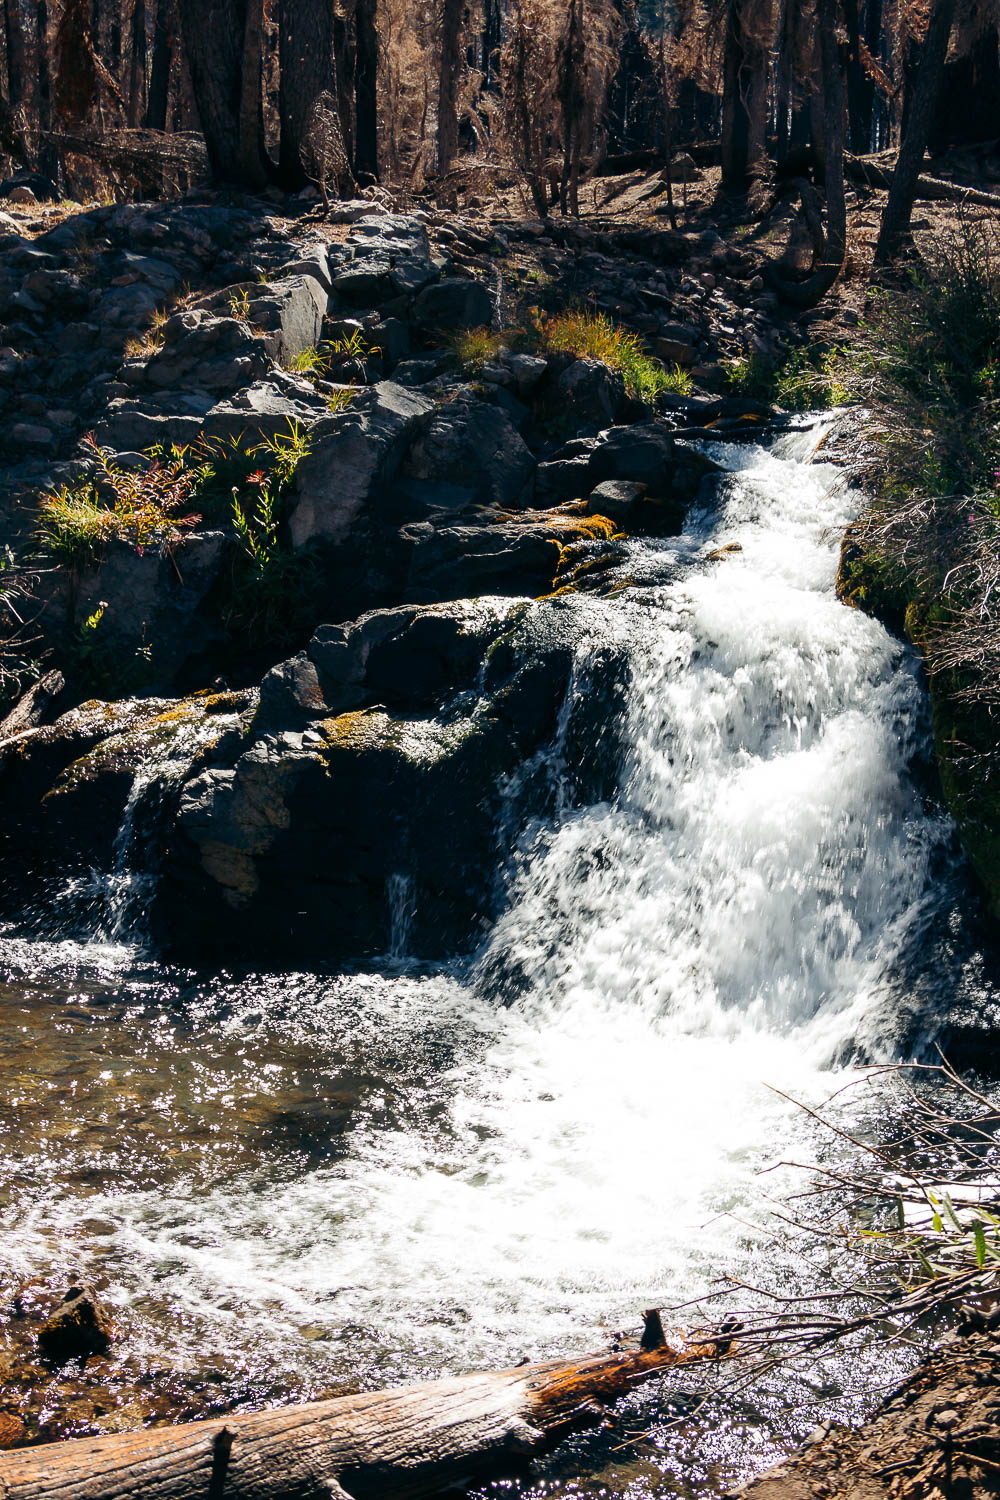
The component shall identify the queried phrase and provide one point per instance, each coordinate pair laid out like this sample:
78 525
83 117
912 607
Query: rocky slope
415 479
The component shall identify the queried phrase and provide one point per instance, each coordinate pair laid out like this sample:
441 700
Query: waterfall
524 1149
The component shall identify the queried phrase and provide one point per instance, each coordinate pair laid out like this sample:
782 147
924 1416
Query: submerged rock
80 1326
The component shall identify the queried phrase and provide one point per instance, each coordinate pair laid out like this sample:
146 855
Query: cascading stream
361 1178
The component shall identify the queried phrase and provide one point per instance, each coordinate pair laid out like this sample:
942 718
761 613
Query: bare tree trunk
345 67
366 89
307 70
137 65
571 97
16 61
252 169
899 206
448 77
402 1444
749 24
808 293
155 117
221 41
47 159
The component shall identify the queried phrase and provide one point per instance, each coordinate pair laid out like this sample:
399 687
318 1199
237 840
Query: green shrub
144 507
929 362
591 335
270 588
807 380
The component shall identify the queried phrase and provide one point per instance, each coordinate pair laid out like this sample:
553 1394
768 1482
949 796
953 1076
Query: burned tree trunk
398 1444
307 71
448 83
220 43
746 70
155 117
899 207
834 246
366 89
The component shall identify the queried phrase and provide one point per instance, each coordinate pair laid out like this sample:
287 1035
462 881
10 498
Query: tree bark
47 159
251 127
155 117
394 1445
895 226
218 43
137 65
307 70
366 89
745 90
808 293
451 24
16 63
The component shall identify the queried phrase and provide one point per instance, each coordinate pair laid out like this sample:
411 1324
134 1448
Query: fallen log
932 189
397 1444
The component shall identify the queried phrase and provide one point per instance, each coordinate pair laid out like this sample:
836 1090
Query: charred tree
746 70
222 47
17 69
448 83
307 71
895 226
366 89
161 59
834 243
136 99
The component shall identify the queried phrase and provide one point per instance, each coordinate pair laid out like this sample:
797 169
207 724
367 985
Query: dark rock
473 444
355 454
266 409
528 371
290 313
78 1328
386 255
615 498
290 695
589 393
204 353
291 847
154 623
453 304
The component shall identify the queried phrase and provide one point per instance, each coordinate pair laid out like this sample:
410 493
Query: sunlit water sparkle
316 1182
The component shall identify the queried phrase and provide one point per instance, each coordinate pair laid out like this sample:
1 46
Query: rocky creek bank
938 1435
385 496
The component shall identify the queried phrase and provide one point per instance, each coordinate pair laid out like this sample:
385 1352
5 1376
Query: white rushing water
514 1177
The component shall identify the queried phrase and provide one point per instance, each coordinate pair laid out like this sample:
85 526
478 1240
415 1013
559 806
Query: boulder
292 846
76 1329
201 352
453 304
266 409
528 371
387 255
290 316
615 498
474 445
355 455
531 552
590 394
153 623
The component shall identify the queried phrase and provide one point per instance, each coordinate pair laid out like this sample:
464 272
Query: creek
303 1182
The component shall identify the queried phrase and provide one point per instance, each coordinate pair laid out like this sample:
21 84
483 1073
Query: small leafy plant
144 507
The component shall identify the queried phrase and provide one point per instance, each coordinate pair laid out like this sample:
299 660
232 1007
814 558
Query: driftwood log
395 1445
